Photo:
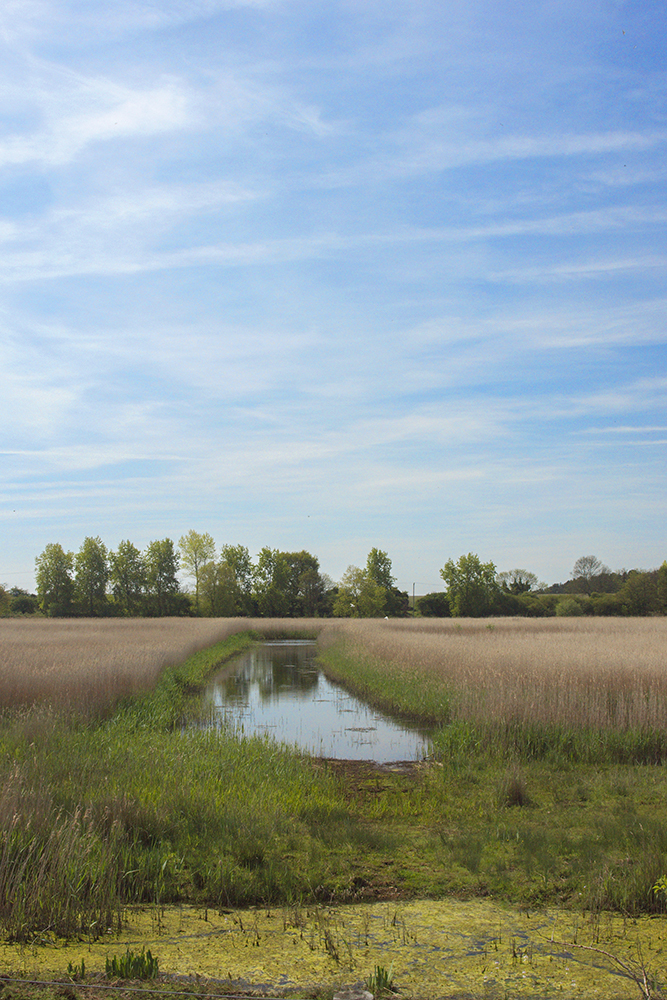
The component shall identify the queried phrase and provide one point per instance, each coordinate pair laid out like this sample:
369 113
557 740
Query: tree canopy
470 586
196 550
129 582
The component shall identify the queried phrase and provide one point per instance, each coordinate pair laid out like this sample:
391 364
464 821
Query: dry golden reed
89 663
599 672
583 672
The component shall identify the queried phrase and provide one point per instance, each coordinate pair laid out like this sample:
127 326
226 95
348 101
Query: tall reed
586 689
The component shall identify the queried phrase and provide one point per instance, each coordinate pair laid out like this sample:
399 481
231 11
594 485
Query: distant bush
433 605
567 607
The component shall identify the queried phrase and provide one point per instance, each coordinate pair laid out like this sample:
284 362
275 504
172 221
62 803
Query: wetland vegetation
546 783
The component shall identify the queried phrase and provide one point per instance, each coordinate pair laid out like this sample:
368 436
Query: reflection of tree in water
274 669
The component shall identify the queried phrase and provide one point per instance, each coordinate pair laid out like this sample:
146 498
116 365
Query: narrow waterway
277 688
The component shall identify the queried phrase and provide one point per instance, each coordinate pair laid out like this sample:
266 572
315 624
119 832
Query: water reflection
277 688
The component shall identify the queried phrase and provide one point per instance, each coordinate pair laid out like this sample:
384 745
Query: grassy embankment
546 783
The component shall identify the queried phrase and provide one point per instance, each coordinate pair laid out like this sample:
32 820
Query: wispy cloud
289 272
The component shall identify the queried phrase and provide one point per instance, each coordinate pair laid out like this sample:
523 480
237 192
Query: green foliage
639 593
288 584
518 581
378 568
568 607
661 589
237 558
21 602
196 551
162 587
91 565
532 606
77 971
359 595
660 887
141 965
55 585
380 980
433 605
270 581
471 586
219 592
127 575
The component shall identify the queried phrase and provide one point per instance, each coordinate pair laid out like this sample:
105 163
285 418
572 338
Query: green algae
472 949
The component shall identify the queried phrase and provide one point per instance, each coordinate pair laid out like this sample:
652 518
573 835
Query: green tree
378 568
55 586
569 607
196 550
23 603
91 565
433 605
304 584
271 577
312 588
162 562
518 581
359 595
219 590
238 558
5 601
661 589
640 593
127 575
471 586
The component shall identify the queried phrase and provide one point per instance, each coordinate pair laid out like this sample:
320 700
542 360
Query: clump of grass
131 965
380 982
512 791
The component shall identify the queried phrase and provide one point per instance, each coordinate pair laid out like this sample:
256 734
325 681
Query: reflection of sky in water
276 688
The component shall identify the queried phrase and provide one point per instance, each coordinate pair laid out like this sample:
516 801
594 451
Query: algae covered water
466 950
277 689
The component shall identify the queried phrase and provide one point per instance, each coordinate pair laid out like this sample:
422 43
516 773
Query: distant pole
413 598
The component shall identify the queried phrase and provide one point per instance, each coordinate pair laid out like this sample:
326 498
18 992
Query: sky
334 276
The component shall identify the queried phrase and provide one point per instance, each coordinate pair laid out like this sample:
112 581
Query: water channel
276 688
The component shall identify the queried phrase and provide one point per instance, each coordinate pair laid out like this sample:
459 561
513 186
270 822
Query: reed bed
89 664
583 673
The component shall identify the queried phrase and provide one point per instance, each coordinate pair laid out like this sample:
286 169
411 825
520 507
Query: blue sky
333 276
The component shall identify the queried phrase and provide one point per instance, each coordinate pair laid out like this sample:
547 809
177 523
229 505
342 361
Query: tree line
127 582
474 589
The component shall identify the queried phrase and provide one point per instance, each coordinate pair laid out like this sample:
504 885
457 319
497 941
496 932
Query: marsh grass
88 665
584 690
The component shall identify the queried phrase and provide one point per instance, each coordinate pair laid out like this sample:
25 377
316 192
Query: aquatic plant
131 965
380 981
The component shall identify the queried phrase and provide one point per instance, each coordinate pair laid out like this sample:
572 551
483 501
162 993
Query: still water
277 689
